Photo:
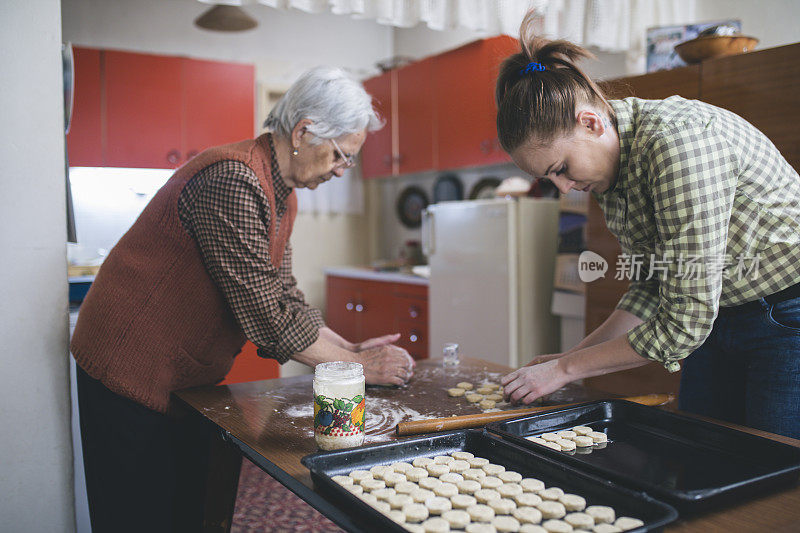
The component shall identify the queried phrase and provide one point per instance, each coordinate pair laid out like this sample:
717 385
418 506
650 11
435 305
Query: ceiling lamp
225 18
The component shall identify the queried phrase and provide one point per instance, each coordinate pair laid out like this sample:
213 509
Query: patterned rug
263 504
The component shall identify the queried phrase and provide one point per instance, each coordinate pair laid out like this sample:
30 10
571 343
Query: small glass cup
450 354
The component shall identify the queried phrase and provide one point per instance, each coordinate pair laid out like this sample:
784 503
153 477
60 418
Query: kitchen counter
369 274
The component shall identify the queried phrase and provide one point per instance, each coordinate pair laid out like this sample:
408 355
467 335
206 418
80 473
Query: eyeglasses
346 160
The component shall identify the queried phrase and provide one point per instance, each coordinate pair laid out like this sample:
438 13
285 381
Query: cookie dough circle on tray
478 462
343 480
420 495
474 473
458 465
451 477
445 490
573 502
598 436
422 462
438 505
567 445
625 523
382 506
415 512
437 469
358 475
398 501
531 484
468 486
480 512
582 441
553 493
485 495
393 478
579 520
494 397
378 471
455 392
462 456
355 489
474 398
566 434
373 484
384 494
493 469
487 404
529 515
367 497
537 440
396 515
582 430
435 525
462 501
443 459
509 490
556 526
401 467
457 518
502 505
416 473
405 487
506 524
527 499
429 482
549 437
509 476
602 514
551 509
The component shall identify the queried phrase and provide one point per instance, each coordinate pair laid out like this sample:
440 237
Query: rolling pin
431 425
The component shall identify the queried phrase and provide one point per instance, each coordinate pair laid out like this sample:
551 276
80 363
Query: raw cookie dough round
527 499
531 484
485 495
372 484
480 512
422 462
602 514
598 436
556 526
458 465
549 437
451 477
398 501
484 390
529 515
359 475
531 528
583 441
551 509
537 440
415 474
567 445
493 469
462 456
458 519
490 482
438 505
414 528
474 398
382 506
445 490
506 524
429 482
462 501
502 505
455 392
606 528
367 497
443 459
468 486
486 404
479 527
478 462
396 515
566 434
436 469
355 489
378 471
420 495
405 487
579 520
509 476
474 473
494 396
343 480
573 502
415 512
552 445
435 525
384 494
625 523
401 467
393 478
466 385
553 493
582 430
509 490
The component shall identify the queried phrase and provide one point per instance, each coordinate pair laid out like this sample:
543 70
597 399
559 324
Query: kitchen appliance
447 188
491 277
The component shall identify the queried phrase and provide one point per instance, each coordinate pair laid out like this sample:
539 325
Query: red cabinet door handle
413 336
413 311
349 306
360 308
173 156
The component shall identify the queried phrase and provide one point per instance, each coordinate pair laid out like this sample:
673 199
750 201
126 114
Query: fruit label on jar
339 417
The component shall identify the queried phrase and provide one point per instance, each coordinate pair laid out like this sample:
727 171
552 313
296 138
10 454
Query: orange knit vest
154 321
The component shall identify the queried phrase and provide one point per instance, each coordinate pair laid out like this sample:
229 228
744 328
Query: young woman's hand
528 383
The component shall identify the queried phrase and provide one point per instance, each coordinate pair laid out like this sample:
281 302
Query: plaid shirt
226 211
707 213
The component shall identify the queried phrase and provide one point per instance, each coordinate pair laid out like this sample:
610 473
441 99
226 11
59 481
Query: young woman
707 206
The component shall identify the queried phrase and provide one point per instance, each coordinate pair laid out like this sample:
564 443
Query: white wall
36 493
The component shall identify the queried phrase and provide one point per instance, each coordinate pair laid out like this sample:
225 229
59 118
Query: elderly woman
205 267
702 196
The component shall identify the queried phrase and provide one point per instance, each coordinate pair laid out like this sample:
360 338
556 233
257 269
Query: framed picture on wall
661 42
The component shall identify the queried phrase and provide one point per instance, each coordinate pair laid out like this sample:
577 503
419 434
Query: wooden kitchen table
270 423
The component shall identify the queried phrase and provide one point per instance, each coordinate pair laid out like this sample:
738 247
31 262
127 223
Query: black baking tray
692 464
324 465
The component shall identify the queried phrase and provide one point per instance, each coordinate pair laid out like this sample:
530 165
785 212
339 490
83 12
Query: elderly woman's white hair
335 103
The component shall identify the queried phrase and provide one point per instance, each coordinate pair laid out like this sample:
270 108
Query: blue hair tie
531 67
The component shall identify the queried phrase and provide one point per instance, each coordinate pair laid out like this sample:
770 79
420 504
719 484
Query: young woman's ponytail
539 88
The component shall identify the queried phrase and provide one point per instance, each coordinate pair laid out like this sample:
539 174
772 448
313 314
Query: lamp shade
225 18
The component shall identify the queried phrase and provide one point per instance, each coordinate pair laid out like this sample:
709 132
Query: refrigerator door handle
428 243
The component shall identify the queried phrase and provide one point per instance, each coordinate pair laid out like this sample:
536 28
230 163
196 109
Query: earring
295 152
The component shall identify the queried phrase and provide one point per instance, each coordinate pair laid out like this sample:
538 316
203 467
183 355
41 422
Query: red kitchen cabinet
218 100
415 118
361 309
152 111
464 96
143 110
248 366
85 132
377 154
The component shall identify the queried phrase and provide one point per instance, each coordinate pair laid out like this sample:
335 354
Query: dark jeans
145 471
748 370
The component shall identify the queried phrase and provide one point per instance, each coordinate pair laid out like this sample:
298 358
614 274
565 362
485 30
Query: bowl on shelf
709 46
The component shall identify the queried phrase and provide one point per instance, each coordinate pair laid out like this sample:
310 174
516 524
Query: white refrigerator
491 277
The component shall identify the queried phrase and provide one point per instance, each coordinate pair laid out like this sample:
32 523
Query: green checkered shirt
707 212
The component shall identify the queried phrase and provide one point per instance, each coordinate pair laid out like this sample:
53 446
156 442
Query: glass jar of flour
339 404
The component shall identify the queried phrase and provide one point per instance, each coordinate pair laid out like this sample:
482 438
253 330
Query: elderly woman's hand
376 342
387 365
